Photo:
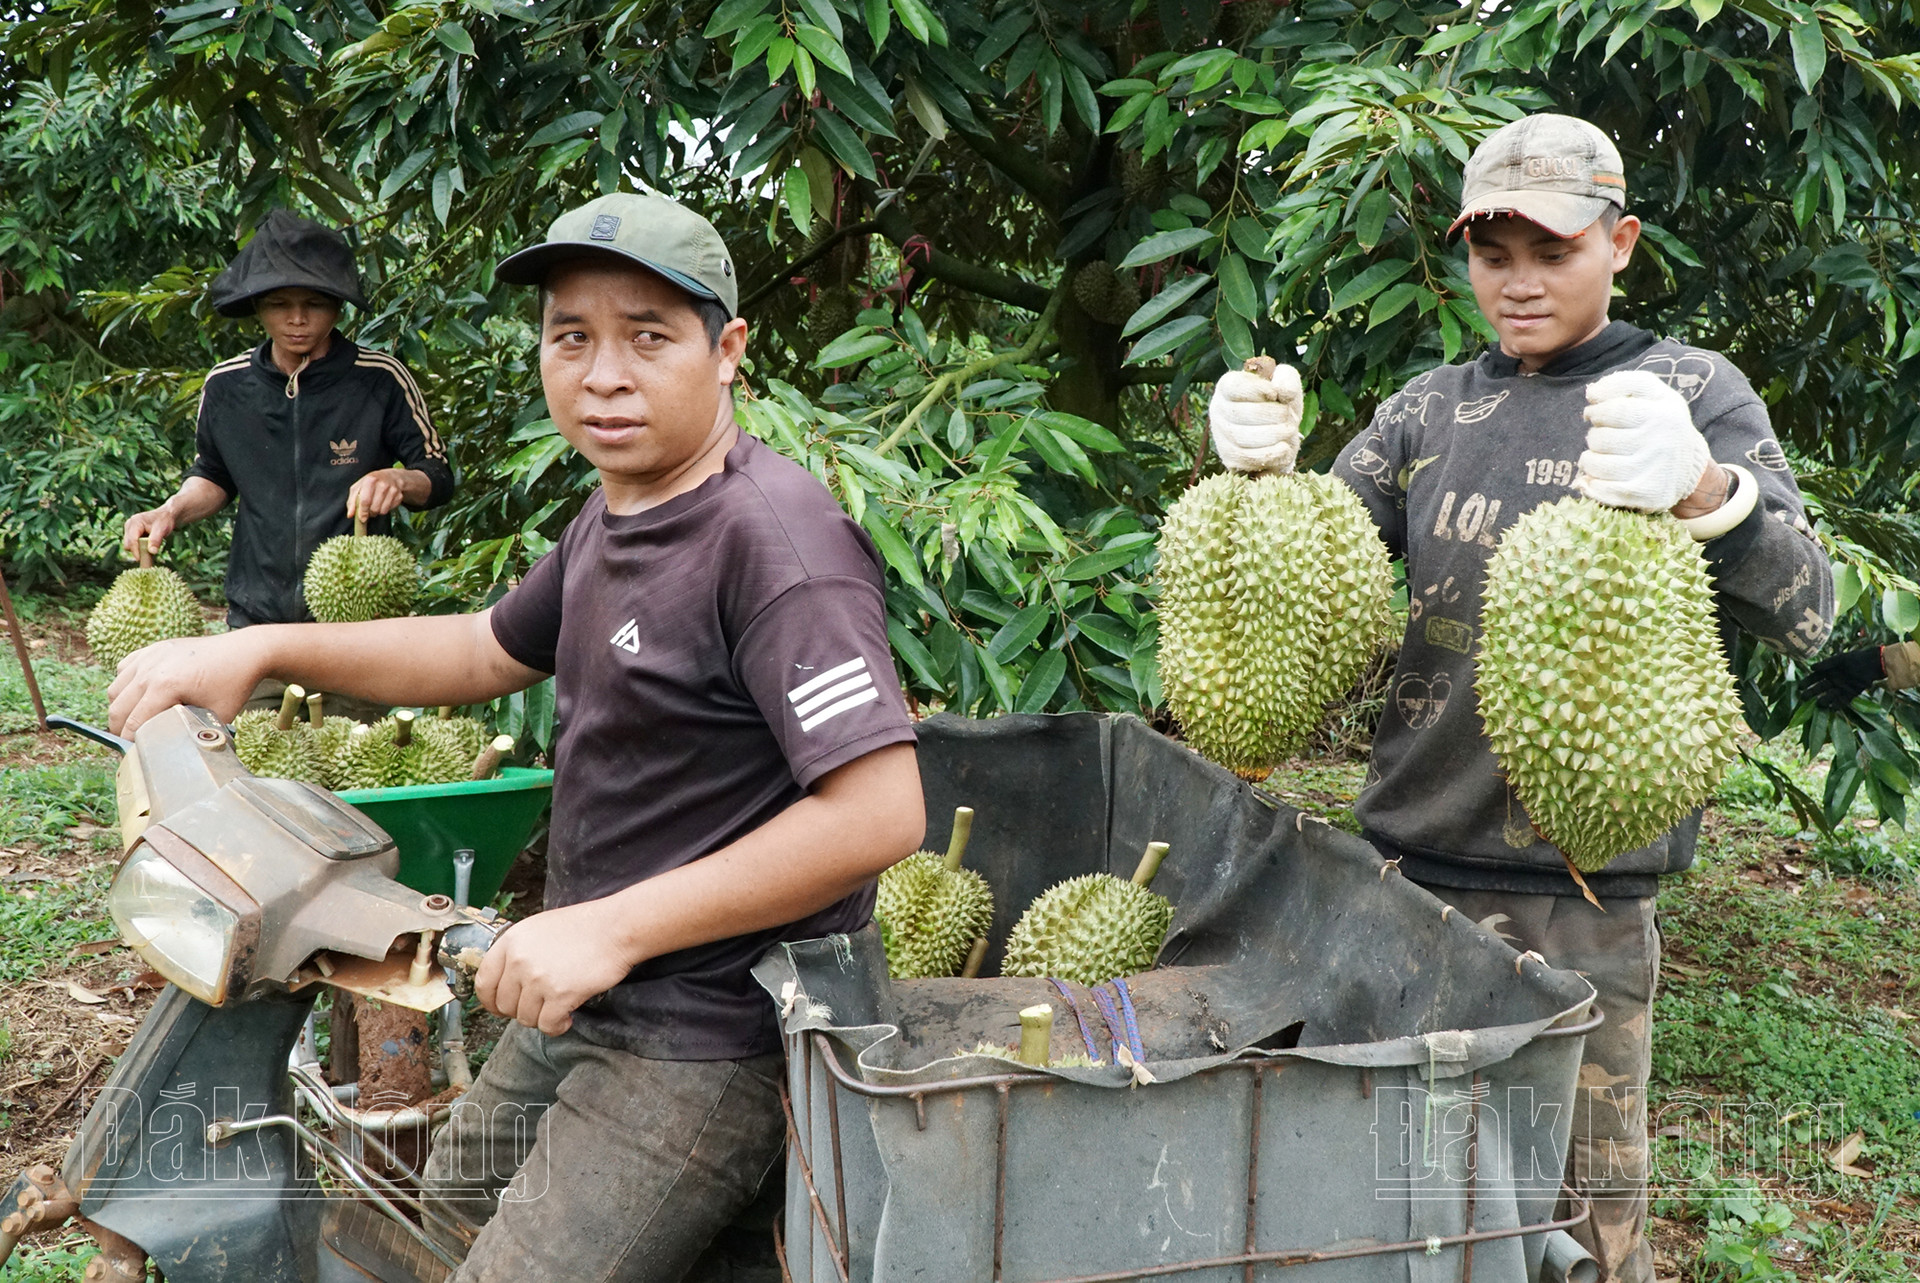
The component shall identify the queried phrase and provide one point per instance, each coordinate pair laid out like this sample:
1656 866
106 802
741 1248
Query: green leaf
879 523
1848 585
1163 303
823 46
733 15
1457 34
879 19
455 37
823 15
1236 287
443 194
797 192
914 651
1106 632
996 676
779 57
1393 302
404 174
1088 433
1370 282
1120 552
1042 681
844 144
852 348
1167 338
1020 632
1166 245
1809 51
567 126
1900 610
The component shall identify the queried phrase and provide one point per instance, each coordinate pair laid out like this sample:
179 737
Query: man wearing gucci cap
733 766
1567 402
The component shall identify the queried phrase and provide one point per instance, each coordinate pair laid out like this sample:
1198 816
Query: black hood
287 252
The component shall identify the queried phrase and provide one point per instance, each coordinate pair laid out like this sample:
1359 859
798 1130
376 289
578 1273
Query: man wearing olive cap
734 765
1568 402
304 430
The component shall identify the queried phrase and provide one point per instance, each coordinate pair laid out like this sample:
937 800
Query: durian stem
962 830
289 705
146 555
976 958
359 525
446 712
489 760
1036 1035
1150 864
316 713
403 727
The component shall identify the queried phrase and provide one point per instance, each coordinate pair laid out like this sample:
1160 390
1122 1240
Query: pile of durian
339 753
143 606
933 917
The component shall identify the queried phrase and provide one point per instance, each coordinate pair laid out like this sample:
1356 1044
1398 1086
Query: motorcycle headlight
178 928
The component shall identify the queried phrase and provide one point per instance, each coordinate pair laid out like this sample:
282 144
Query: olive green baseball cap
1557 171
644 227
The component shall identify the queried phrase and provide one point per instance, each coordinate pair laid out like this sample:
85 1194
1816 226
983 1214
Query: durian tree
936 180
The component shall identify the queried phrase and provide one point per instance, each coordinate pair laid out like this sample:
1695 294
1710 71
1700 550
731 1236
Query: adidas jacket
290 448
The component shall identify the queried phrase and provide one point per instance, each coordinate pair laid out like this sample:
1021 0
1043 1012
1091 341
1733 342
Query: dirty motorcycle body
212 1149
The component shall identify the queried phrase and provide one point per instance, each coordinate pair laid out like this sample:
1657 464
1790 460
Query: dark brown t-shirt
715 656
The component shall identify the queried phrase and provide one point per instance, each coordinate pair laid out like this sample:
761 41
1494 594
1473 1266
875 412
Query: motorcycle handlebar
94 733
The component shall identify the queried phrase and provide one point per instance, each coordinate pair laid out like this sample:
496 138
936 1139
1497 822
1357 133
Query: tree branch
1040 179
1135 375
937 391
807 259
894 224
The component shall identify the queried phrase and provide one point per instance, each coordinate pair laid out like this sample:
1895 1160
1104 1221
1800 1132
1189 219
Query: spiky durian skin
442 752
1273 596
373 760
142 607
351 578
1088 930
1600 676
929 917
265 749
331 740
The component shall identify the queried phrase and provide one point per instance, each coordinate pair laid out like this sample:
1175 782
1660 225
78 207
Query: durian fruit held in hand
1091 929
1600 676
356 577
931 910
273 744
1274 594
143 606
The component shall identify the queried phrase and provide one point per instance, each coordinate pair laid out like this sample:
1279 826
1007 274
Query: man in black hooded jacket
306 430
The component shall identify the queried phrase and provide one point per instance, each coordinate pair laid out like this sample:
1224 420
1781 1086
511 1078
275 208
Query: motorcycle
217 1149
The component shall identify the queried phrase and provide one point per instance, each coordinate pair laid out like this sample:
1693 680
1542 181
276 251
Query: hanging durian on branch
932 912
1093 928
1273 587
1600 676
144 606
356 577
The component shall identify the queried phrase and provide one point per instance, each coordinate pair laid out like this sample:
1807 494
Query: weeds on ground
75 690
40 803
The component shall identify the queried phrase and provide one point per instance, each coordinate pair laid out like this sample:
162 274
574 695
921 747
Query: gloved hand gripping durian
1274 586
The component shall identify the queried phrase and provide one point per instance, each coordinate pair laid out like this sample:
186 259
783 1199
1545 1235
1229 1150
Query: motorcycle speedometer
179 929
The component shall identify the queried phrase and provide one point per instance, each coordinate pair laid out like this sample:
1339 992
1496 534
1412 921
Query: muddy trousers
1618 951
592 1165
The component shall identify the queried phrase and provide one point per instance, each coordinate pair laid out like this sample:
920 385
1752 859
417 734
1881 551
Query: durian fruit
273 744
1273 596
931 911
1600 676
142 607
1104 294
1089 929
832 315
360 576
372 759
442 752
330 739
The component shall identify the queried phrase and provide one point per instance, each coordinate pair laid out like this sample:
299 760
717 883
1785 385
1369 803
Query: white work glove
1643 451
1254 417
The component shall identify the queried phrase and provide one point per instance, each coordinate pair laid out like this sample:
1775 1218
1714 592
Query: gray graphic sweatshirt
1448 463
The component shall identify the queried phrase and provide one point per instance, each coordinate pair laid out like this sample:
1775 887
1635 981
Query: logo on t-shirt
840 689
628 638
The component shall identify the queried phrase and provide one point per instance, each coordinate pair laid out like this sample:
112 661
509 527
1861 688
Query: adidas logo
628 638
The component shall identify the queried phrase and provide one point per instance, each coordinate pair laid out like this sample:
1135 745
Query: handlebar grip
94 733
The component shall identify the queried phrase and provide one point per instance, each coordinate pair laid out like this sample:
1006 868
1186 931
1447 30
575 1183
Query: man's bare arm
422 660
859 819
196 500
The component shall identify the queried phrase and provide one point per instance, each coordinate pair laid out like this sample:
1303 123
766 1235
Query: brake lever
94 733
463 946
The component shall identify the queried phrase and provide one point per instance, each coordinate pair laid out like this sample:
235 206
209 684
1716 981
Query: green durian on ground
356 577
144 606
1273 596
1090 929
1600 676
930 910
273 744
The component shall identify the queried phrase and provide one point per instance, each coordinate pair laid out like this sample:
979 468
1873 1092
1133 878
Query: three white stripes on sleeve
840 689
